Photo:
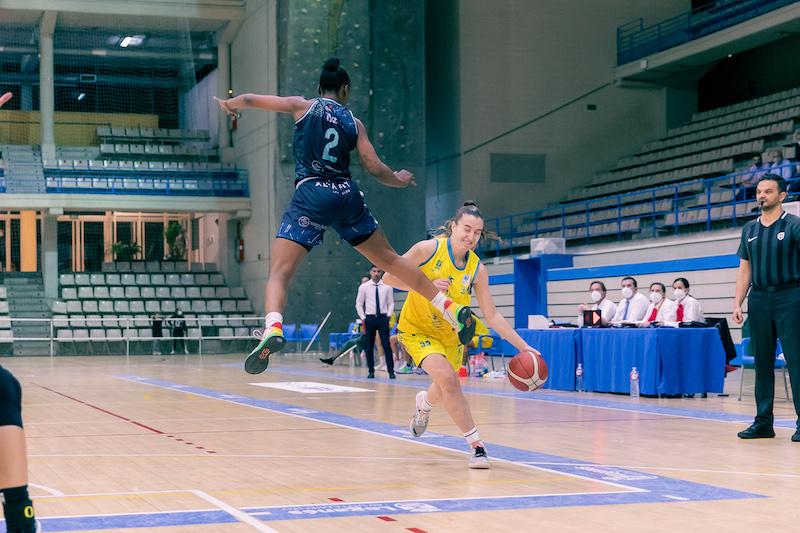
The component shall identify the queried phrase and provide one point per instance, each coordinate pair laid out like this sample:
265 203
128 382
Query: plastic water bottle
634 383
471 365
579 378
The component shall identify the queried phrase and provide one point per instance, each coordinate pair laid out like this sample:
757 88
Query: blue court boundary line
541 396
638 487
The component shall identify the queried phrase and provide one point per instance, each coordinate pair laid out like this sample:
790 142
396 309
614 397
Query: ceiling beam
202 9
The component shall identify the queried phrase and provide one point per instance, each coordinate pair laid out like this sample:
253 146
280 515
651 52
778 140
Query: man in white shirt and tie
633 306
374 305
607 308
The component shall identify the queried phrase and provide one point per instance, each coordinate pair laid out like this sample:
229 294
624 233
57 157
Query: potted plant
125 251
176 241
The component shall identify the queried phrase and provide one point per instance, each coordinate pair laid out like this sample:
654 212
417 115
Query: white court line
387 435
49 490
253 456
241 516
679 498
676 469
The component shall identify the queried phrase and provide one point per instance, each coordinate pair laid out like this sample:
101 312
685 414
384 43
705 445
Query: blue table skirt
559 347
669 361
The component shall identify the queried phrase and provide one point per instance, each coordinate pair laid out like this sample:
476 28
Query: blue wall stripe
501 279
713 262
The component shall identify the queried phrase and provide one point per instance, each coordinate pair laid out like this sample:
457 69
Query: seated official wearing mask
607 308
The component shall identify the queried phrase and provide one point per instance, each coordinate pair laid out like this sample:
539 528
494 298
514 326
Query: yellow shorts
421 346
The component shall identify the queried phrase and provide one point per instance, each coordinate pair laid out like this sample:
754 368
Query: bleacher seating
684 181
105 308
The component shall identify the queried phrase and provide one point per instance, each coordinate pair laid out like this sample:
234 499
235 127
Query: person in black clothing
769 268
178 325
157 332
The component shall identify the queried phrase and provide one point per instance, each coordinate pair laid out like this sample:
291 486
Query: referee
769 254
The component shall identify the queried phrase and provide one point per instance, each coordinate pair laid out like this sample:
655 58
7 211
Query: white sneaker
419 422
479 459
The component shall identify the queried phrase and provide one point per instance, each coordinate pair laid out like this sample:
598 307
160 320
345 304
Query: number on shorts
333 135
423 344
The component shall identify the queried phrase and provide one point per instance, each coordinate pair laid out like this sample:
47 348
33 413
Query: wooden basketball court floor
195 444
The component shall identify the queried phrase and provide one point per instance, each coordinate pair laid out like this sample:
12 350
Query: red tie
680 312
653 315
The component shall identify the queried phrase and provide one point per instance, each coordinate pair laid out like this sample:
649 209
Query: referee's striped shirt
773 251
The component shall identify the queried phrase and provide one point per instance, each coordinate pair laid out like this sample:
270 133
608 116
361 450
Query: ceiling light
131 40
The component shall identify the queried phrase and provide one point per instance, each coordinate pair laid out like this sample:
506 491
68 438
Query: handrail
125 324
507 227
635 40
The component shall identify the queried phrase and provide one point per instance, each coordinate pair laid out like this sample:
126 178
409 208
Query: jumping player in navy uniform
326 131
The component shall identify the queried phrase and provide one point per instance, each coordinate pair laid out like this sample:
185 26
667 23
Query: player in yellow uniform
455 269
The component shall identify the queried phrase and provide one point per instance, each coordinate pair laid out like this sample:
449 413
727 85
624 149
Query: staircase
25 174
26 299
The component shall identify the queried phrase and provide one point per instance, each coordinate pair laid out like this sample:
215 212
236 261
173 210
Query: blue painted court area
625 486
642 406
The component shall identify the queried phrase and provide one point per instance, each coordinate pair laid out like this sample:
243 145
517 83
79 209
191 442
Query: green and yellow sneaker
462 320
271 341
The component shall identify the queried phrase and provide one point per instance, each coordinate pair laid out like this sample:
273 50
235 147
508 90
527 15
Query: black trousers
178 335
380 325
774 315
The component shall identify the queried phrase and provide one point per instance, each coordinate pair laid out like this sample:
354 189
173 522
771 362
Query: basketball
527 371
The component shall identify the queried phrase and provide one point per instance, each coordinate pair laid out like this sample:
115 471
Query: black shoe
392 376
757 431
796 436
328 361
371 375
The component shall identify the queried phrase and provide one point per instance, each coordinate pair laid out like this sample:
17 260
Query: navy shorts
10 399
321 203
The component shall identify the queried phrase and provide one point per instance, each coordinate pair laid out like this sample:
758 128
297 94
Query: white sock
473 437
272 318
424 404
439 301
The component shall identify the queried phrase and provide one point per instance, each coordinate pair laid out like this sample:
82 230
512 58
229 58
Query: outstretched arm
373 164
493 317
295 105
417 254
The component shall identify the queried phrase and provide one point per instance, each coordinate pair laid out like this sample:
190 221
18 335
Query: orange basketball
527 371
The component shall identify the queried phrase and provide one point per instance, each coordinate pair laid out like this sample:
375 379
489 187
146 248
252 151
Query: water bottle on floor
634 383
579 378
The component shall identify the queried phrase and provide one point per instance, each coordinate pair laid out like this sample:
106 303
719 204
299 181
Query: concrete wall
523 59
254 69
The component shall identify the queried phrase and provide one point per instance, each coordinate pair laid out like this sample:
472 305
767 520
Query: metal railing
635 41
561 221
125 326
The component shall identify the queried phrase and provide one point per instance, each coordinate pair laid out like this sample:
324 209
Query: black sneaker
371 375
392 376
796 436
757 431
328 361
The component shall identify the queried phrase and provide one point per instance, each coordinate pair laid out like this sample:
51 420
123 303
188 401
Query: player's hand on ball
405 177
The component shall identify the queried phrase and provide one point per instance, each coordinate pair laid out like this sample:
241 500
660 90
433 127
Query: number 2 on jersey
333 135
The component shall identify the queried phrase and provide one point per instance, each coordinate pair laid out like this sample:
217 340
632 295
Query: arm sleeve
609 312
743 253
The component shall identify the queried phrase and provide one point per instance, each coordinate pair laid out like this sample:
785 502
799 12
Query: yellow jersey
419 316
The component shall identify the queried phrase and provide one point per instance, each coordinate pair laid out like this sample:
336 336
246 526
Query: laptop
592 319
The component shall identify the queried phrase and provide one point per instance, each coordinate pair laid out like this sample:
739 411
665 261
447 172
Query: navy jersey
323 140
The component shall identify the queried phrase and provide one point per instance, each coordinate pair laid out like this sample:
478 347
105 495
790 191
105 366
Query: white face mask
656 297
627 292
680 294
596 296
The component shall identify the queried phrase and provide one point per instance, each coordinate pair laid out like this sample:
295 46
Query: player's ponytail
333 76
